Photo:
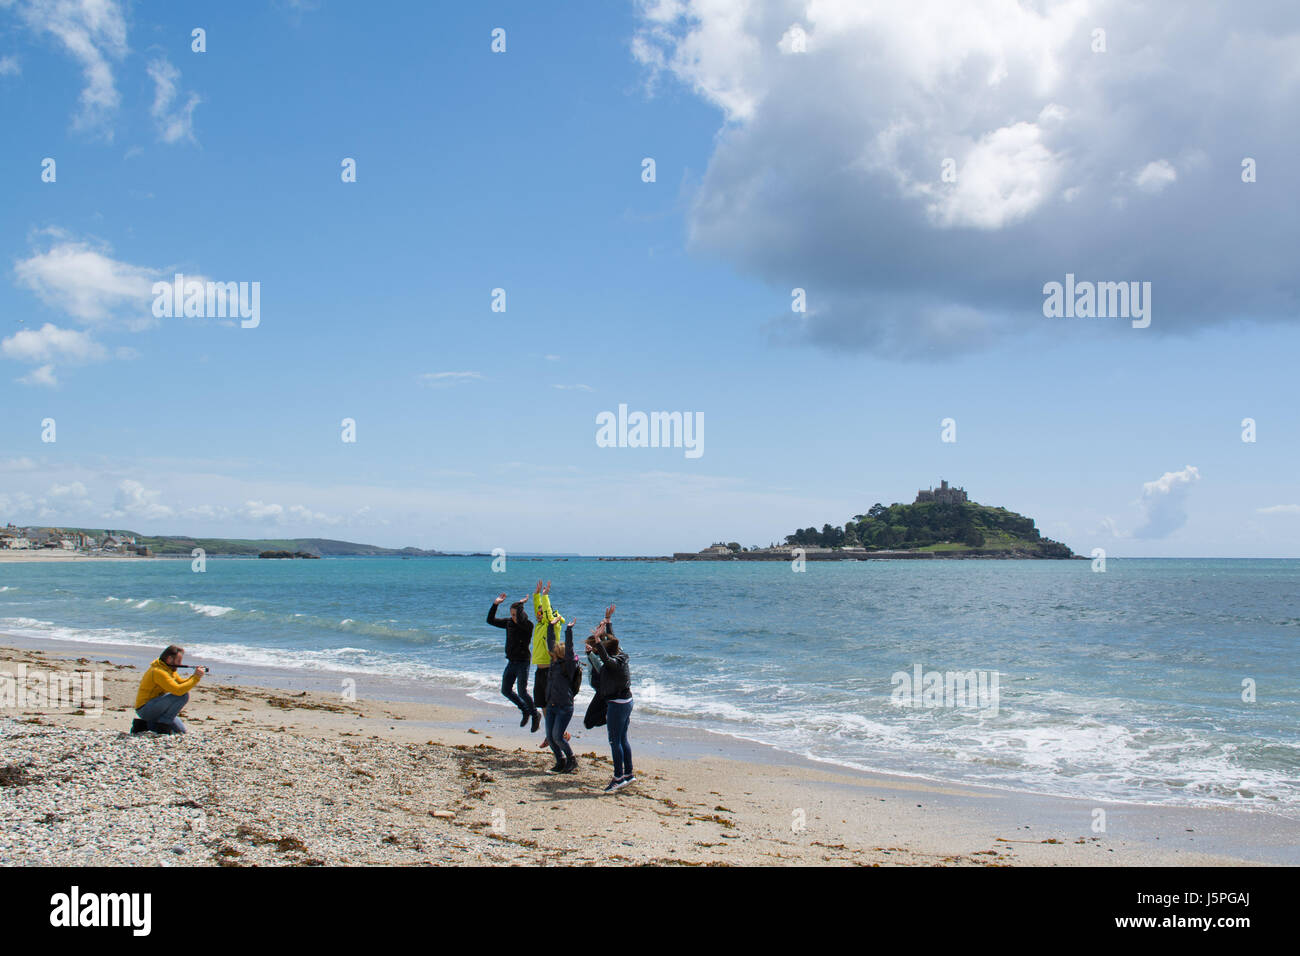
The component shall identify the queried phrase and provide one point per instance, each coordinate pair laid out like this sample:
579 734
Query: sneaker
537 720
558 768
612 786
523 721
571 765
621 782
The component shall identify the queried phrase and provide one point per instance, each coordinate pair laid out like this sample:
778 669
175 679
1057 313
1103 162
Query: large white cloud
1122 165
86 282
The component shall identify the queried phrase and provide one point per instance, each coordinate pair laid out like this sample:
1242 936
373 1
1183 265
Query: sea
1155 681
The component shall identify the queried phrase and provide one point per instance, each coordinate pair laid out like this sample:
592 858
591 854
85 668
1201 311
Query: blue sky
521 170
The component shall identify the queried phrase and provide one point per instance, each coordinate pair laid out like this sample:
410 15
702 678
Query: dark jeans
514 685
164 709
618 716
557 722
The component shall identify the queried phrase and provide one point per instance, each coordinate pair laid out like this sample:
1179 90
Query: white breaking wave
207 610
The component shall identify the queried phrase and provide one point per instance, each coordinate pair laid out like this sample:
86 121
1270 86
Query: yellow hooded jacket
160 679
542 611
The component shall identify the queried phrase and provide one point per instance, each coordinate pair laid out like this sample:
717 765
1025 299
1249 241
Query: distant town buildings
14 538
942 495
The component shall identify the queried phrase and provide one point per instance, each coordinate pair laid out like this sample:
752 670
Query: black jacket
559 685
615 675
597 713
519 636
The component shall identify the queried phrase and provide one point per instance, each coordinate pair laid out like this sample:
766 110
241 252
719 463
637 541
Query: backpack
575 682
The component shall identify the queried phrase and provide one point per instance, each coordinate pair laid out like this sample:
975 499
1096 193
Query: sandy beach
275 773
45 555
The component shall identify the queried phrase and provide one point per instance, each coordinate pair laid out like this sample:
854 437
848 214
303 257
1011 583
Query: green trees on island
933 525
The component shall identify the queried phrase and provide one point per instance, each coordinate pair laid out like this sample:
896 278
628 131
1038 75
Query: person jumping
514 680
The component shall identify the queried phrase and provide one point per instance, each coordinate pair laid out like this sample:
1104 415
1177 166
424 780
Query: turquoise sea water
1123 685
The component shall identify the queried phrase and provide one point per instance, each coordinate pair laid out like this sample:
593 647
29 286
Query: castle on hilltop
943 495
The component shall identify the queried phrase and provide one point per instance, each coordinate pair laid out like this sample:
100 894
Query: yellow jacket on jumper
161 679
542 612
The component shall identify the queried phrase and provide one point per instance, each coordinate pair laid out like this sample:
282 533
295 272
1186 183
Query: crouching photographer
163 695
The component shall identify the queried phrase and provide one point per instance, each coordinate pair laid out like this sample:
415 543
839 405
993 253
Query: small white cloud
1155 176
300 513
1164 502
795 40
577 388
50 343
42 375
173 123
1279 510
134 500
67 499
9 66
261 511
74 489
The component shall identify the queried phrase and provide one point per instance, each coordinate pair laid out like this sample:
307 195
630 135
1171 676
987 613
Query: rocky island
941 523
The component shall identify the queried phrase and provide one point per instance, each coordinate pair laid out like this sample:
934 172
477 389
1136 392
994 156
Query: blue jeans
617 717
557 721
514 685
164 709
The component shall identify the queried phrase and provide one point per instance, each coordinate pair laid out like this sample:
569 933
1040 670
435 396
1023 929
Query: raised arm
492 612
568 637
550 633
